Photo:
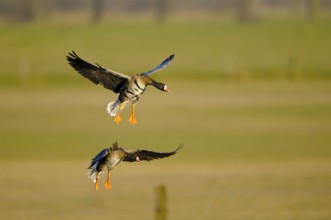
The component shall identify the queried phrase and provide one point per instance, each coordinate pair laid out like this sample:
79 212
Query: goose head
160 86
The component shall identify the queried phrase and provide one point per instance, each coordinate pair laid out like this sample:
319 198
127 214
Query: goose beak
165 88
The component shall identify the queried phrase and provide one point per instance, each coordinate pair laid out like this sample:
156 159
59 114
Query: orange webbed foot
108 184
97 185
132 119
117 119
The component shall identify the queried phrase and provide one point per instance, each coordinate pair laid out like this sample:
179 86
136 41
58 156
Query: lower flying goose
130 88
111 157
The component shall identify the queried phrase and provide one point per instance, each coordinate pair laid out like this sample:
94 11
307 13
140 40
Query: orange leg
108 184
97 182
132 118
118 118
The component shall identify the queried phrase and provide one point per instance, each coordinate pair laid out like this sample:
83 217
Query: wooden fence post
161 210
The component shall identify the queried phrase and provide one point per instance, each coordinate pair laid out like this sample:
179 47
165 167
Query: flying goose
130 88
110 157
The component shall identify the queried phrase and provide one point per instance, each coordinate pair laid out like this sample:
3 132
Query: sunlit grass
253 148
216 121
53 190
204 50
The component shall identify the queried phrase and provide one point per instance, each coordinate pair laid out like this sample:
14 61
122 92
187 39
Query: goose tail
92 174
113 107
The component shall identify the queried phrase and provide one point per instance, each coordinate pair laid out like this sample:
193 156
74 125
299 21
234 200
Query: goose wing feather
97 74
164 64
139 155
99 157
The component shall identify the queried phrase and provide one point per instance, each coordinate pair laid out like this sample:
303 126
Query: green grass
205 49
53 190
255 148
252 150
222 121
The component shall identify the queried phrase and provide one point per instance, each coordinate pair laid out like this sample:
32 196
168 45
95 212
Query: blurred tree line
242 10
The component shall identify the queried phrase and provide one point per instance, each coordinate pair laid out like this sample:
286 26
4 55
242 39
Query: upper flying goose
110 157
129 88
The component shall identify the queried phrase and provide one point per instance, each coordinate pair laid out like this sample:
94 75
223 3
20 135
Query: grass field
204 50
257 145
55 190
256 150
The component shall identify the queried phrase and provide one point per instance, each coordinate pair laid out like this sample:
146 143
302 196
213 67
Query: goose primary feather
108 158
130 88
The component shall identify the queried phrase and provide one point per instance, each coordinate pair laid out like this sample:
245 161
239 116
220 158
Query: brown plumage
111 157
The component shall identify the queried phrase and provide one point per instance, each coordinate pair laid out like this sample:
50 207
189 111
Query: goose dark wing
99 157
139 155
164 64
97 74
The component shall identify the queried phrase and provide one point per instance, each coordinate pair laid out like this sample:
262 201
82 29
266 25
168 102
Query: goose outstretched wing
99 157
97 74
164 64
139 155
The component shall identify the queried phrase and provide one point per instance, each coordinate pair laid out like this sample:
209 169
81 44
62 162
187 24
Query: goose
130 88
108 158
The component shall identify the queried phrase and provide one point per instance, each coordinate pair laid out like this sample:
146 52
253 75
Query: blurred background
250 101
